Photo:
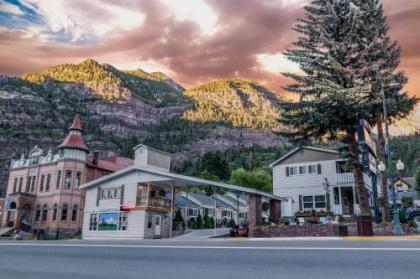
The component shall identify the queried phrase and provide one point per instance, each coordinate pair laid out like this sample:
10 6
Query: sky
193 41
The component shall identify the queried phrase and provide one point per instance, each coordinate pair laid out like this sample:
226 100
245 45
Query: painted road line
381 238
390 249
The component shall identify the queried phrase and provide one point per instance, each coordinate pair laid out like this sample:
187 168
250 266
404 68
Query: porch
344 201
154 197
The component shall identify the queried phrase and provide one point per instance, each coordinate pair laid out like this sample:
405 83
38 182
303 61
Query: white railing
345 177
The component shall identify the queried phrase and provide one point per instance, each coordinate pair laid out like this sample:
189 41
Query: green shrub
231 223
199 222
412 224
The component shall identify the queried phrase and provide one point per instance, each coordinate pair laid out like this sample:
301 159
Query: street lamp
396 216
382 95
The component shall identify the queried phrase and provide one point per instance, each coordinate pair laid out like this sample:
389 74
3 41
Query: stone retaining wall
319 230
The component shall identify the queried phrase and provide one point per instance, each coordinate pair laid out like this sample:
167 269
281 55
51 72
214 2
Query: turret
74 146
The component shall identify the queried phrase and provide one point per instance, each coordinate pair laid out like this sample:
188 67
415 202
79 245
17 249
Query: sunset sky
193 41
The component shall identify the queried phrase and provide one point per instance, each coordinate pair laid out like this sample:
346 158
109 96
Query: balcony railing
345 177
153 202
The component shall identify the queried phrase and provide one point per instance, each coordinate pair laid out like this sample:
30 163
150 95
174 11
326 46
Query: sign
7 202
126 207
364 134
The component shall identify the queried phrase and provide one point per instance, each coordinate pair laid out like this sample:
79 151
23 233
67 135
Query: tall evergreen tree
384 53
332 91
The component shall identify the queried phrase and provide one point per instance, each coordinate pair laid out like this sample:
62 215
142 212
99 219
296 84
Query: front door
158 223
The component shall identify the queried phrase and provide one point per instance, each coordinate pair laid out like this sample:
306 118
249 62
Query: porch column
275 210
255 210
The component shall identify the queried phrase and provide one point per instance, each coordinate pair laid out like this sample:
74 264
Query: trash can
364 225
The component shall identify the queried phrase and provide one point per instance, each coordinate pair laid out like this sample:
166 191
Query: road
216 258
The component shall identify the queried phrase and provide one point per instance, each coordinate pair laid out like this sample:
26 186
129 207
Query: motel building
137 202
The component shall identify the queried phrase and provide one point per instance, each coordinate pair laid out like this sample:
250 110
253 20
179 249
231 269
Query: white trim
303 147
187 179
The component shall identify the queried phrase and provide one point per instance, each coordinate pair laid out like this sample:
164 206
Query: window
15 183
28 183
293 170
111 193
78 179
41 185
55 209
74 213
320 201
122 225
241 215
37 213
47 185
149 221
20 184
312 169
208 211
303 169
57 184
308 202
93 222
192 212
226 213
33 183
67 181
64 212
44 213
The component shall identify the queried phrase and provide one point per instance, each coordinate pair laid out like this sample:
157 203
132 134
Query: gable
308 155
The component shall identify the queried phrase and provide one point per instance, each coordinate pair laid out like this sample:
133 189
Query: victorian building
43 191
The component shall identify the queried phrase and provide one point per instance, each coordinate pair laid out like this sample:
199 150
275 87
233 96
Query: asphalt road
178 259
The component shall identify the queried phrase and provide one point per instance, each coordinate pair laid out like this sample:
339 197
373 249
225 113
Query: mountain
122 108
242 104
408 125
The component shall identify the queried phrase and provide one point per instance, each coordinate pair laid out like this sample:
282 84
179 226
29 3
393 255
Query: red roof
76 123
74 141
113 163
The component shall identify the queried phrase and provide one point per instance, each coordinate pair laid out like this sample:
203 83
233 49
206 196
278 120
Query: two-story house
313 178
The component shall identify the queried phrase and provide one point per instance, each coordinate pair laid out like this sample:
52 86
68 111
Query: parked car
414 215
239 231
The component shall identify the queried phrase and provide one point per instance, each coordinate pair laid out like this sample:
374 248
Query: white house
306 176
137 202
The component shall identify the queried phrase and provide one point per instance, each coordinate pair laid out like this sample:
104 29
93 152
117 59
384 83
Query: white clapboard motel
137 202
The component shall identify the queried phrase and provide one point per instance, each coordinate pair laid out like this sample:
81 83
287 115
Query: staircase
7 231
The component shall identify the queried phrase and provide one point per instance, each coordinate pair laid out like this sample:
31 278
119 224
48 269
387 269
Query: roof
409 180
234 201
183 202
209 200
177 180
74 141
76 125
321 149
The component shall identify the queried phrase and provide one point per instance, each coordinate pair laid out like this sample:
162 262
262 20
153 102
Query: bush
179 221
207 223
231 223
407 202
192 223
211 222
412 224
199 222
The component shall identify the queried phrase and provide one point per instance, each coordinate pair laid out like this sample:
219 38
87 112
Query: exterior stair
7 231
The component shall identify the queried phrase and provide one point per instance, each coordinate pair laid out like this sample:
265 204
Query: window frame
41 183
54 213
68 179
47 182
44 213
66 207
93 221
304 203
324 202
75 213
58 180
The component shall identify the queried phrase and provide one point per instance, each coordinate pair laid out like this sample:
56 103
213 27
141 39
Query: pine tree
381 51
332 89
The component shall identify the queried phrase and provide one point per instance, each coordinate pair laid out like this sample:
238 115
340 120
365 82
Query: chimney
95 157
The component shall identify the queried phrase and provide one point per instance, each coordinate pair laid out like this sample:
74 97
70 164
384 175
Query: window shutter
122 195
300 203
319 169
98 196
287 171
